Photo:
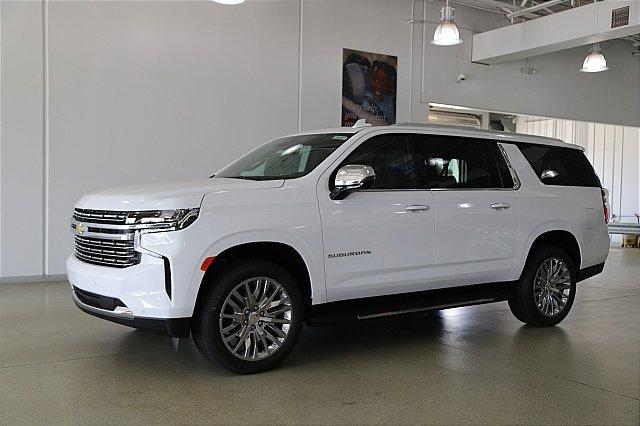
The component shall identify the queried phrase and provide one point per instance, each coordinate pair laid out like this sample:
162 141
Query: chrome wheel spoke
276 320
278 311
271 337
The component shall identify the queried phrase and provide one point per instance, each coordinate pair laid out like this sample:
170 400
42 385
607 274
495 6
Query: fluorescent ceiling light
595 61
228 1
437 105
447 33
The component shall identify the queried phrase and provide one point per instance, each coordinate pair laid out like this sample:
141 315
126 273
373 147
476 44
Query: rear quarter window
560 166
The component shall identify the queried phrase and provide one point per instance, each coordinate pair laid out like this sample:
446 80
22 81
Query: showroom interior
102 94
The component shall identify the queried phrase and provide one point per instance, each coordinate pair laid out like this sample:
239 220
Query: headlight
163 220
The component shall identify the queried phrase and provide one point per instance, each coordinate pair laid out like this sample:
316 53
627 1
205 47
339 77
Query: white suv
348 223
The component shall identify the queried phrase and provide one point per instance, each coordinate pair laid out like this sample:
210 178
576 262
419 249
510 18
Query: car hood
167 196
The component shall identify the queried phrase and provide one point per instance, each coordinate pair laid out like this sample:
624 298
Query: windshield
285 158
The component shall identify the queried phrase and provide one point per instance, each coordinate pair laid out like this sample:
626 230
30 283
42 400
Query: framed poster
369 85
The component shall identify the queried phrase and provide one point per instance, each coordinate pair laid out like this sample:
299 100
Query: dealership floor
467 365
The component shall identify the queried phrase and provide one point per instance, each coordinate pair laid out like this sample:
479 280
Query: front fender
306 252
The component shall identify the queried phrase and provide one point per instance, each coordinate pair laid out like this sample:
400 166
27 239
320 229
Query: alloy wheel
552 287
256 318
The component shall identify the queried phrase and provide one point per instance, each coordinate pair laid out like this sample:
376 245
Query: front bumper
95 305
135 296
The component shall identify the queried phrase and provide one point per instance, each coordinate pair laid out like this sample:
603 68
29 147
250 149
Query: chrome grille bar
105 238
100 216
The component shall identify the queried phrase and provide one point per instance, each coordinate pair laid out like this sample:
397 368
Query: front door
379 241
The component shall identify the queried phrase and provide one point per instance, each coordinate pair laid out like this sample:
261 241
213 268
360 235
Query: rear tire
250 318
545 293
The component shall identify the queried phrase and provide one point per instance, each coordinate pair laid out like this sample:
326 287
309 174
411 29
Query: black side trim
589 272
98 301
348 310
167 276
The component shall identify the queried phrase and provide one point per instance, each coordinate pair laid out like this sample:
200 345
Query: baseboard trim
33 279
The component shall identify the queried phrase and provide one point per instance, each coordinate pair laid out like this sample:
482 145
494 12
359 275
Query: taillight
605 201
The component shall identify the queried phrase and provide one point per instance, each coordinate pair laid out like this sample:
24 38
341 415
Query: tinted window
560 166
453 162
285 158
503 168
390 157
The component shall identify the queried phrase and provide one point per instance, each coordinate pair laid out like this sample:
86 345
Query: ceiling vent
620 17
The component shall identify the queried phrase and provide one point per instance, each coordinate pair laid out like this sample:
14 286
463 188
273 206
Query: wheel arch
280 253
561 238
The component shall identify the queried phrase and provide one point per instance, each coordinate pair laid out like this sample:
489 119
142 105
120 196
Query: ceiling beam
505 8
539 6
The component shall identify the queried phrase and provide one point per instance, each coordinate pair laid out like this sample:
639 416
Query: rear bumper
100 306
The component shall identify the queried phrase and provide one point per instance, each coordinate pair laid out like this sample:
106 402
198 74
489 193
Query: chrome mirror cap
350 178
547 174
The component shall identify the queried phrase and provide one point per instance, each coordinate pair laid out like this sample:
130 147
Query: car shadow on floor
423 333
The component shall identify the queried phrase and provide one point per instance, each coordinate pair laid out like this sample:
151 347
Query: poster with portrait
368 87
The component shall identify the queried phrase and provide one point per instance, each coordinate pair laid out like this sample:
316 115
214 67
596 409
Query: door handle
417 208
500 206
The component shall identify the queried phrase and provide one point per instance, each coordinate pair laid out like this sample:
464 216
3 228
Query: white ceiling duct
454 118
579 26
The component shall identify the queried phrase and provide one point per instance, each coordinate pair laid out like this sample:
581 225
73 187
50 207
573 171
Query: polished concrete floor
470 365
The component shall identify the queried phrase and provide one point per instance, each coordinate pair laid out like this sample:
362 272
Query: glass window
390 157
560 166
285 158
503 168
454 162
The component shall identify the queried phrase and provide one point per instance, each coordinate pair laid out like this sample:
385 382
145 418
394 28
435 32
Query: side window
501 162
454 162
559 165
390 157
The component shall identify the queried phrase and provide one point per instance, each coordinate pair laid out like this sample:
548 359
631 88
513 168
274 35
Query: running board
407 303
426 308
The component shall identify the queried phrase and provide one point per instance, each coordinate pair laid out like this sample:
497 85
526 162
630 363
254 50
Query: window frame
485 147
411 135
341 163
520 145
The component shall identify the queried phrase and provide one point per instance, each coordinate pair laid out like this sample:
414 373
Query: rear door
476 208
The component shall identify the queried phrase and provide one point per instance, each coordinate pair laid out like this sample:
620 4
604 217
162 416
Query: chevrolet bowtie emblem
81 228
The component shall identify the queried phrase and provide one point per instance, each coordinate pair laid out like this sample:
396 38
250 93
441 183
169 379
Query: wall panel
21 137
154 91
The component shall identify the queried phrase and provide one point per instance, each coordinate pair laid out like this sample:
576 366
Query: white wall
158 91
150 90
21 147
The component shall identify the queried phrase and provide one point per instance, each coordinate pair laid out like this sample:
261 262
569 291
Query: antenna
361 123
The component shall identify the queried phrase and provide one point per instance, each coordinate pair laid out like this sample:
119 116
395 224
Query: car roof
505 137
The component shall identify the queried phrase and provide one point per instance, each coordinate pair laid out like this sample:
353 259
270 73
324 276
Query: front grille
106 252
100 216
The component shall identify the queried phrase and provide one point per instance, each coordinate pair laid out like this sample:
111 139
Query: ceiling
522 10
532 8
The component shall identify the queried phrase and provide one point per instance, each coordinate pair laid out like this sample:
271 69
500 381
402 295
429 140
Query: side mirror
547 174
351 178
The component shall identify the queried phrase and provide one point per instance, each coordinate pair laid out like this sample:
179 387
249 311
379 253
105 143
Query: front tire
251 317
546 291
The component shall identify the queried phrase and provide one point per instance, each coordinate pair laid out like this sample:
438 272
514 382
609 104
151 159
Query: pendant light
447 33
595 61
